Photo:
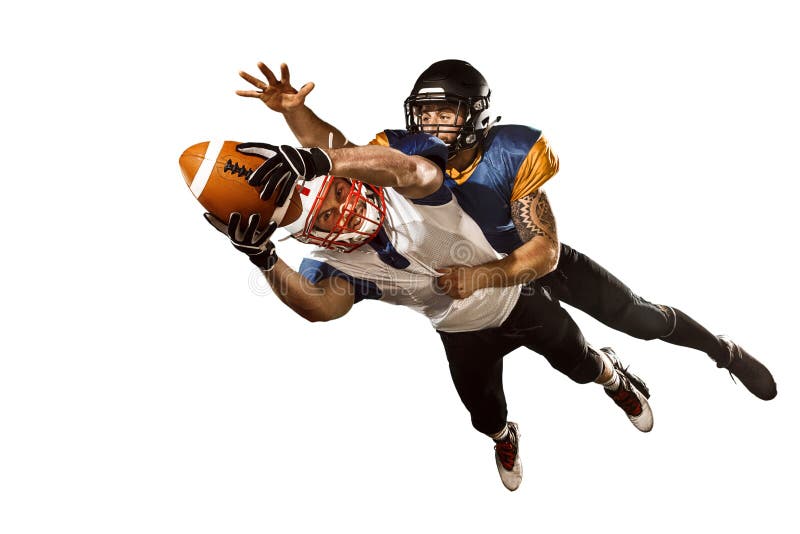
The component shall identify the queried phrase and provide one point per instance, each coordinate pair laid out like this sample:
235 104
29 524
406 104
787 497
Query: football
217 176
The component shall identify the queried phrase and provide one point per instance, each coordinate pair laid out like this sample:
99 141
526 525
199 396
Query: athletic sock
605 363
501 435
613 383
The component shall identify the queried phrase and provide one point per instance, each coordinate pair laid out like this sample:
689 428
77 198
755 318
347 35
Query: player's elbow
314 317
334 308
539 256
428 172
420 173
318 314
550 257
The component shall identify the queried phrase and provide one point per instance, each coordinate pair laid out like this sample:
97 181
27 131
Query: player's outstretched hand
278 95
247 239
284 165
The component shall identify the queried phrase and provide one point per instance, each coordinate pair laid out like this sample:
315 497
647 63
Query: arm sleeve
539 165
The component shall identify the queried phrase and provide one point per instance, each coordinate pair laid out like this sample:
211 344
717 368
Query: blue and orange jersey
514 161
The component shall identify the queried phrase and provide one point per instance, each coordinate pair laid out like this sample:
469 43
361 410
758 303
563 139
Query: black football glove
284 166
256 245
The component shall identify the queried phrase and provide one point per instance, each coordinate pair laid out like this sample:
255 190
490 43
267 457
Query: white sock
613 382
501 435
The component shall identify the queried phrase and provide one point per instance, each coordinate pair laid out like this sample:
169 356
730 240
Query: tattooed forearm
533 217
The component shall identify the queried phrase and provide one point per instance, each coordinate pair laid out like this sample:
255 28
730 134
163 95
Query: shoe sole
646 412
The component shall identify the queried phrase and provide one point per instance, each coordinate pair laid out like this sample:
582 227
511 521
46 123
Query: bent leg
540 323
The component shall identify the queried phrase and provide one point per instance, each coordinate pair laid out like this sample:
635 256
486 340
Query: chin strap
493 122
453 152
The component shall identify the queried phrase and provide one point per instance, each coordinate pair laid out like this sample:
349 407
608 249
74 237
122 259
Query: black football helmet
456 82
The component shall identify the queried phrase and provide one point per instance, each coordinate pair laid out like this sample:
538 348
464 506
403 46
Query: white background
147 385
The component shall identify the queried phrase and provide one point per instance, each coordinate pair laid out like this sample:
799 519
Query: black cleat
750 372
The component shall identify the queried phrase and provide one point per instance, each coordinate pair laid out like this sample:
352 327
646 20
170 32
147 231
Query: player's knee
581 370
645 321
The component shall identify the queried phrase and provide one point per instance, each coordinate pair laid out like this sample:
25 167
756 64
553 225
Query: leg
543 326
476 366
539 323
582 283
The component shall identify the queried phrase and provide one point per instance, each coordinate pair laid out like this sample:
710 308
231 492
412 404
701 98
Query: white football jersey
399 265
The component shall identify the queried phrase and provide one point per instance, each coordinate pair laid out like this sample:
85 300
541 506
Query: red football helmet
360 214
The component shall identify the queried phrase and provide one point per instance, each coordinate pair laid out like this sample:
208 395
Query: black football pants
585 285
476 358
537 322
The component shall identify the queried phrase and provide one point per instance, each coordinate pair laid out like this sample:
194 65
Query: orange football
217 176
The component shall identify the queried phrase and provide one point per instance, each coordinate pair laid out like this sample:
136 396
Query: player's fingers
266 234
261 175
267 73
252 226
278 172
250 94
275 183
233 224
294 158
445 277
286 189
270 182
307 88
216 223
271 228
285 73
252 80
262 150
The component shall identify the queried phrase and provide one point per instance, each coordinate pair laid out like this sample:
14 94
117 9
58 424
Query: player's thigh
543 326
591 288
476 364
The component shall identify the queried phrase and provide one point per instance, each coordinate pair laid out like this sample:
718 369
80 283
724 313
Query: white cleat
506 456
631 395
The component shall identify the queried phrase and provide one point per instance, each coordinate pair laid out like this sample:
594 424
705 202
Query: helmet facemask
357 221
458 84
469 133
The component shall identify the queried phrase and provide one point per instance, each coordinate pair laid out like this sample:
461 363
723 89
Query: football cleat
506 456
631 395
750 372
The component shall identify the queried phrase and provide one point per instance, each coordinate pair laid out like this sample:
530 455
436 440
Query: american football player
384 238
496 172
